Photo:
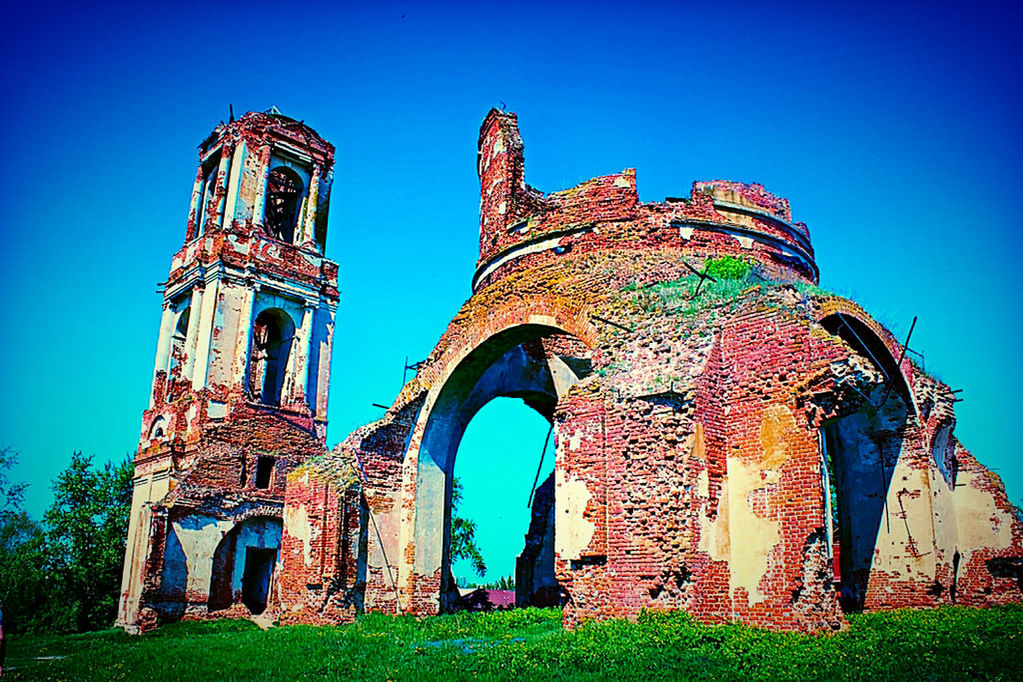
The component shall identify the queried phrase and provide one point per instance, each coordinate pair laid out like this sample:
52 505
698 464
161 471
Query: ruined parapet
521 227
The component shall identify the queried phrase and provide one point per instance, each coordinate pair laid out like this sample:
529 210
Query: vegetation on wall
727 267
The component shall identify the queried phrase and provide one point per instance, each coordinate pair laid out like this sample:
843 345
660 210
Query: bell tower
250 300
239 394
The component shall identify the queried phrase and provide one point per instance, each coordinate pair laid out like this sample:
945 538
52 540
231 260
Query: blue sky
893 130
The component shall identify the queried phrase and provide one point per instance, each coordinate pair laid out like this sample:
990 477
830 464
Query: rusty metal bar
877 363
898 365
380 539
539 467
613 324
702 275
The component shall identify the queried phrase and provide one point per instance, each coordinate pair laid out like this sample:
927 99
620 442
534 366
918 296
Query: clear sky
893 130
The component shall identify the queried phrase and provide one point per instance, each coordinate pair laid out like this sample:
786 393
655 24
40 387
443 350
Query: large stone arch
533 357
852 324
869 445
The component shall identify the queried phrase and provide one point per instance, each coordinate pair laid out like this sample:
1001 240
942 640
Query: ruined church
731 440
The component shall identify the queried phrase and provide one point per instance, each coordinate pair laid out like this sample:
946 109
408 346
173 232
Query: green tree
12 495
463 534
86 532
505 582
23 589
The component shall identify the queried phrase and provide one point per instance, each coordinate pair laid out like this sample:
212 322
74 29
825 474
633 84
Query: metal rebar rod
380 539
539 467
898 365
606 321
852 331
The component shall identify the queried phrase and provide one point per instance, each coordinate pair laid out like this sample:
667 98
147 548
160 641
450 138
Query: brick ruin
730 439
239 394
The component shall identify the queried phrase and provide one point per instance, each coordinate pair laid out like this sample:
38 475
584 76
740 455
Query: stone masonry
745 448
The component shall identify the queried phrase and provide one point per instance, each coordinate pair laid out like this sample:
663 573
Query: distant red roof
482 599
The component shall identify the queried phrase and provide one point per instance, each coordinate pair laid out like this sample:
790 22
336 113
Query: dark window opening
207 193
244 473
272 334
283 200
584 561
264 472
177 349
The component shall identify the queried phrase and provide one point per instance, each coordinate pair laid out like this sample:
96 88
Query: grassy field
948 643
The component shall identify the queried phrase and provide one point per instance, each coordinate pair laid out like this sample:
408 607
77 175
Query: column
191 333
259 210
193 225
309 228
301 379
204 336
241 345
222 174
162 348
234 185
323 381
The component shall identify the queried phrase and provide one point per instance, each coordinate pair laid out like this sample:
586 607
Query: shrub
727 267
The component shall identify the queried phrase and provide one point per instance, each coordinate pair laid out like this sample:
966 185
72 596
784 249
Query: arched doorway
505 453
244 564
537 364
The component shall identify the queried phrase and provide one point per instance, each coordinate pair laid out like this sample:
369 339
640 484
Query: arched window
272 334
206 194
176 354
158 429
283 200
179 337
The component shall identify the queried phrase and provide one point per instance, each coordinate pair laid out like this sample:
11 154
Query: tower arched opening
283 203
272 334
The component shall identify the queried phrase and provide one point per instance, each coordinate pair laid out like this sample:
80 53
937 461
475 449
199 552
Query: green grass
945 644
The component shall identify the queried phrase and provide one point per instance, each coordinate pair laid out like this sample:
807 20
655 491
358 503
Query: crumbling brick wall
692 417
